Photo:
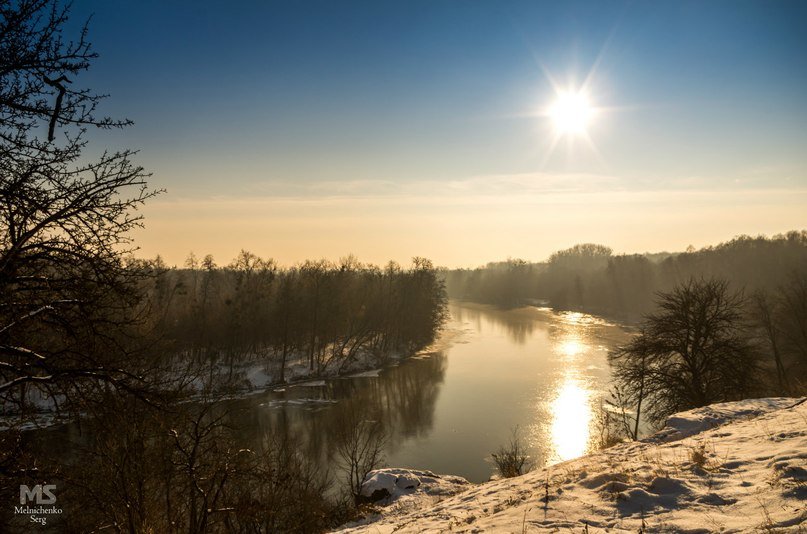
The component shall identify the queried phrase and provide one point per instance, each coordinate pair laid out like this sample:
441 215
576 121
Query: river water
448 408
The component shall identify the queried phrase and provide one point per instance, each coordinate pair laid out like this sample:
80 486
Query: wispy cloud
493 186
484 185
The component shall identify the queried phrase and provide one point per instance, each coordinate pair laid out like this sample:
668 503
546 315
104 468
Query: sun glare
571 417
571 113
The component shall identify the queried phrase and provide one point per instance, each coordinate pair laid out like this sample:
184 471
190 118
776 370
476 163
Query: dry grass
512 460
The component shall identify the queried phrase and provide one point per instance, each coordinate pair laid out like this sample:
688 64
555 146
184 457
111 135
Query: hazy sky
385 129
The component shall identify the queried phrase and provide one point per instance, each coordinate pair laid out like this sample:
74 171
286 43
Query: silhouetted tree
65 290
690 353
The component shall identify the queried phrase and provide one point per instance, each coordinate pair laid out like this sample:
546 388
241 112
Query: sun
571 113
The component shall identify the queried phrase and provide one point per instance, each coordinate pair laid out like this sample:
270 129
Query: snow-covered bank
409 489
730 467
255 376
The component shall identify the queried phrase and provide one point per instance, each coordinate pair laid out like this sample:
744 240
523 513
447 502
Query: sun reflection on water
573 317
568 397
571 419
571 347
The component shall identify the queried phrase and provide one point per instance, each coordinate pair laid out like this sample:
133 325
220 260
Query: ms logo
40 494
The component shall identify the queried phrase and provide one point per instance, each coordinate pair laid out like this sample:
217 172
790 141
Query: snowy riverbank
256 376
731 467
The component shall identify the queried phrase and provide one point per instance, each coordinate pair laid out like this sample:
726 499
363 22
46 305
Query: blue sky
314 129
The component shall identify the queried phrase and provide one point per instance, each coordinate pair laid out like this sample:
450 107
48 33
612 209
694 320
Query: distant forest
592 278
320 316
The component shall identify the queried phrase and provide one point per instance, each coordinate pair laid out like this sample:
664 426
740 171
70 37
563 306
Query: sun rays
571 112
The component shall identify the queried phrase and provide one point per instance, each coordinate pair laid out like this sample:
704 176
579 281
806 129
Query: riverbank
251 378
735 467
255 378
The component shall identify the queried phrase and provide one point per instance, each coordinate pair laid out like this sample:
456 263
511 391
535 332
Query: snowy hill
731 467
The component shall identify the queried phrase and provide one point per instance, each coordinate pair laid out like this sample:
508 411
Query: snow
731 467
695 421
373 373
309 384
276 403
401 483
402 490
258 377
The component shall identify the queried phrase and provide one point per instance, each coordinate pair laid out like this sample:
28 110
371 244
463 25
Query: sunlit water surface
446 410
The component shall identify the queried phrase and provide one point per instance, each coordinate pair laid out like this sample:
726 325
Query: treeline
761 281
320 315
591 278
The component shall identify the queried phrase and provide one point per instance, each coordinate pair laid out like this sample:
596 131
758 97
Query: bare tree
360 438
793 322
35 87
691 352
142 469
620 415
765 311
781 317
65 289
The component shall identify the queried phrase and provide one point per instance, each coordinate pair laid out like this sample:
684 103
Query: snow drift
731 467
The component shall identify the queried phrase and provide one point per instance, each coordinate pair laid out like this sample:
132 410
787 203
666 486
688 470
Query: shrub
512 460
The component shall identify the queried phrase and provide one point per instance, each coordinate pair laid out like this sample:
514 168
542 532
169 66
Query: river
449 407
